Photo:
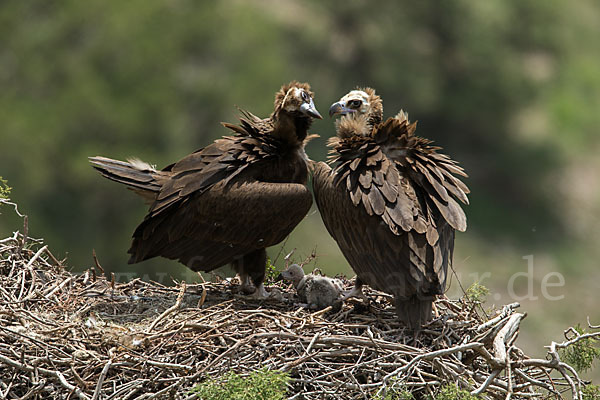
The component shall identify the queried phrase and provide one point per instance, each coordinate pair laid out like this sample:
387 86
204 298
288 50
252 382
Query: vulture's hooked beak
339 108
310 110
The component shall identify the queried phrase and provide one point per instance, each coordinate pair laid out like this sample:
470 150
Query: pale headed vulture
390 202
227 202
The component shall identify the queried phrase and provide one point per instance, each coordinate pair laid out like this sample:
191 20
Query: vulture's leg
261 292
252 265
414 311
245 285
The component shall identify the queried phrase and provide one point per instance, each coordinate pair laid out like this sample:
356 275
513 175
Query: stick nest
65 335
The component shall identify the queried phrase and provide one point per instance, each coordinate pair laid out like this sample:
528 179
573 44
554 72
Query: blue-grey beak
310 110
339 108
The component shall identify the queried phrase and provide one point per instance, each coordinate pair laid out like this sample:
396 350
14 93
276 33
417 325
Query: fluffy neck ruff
353 125
291 128
375 115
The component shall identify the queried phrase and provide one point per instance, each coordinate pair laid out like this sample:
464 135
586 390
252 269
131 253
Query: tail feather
137 175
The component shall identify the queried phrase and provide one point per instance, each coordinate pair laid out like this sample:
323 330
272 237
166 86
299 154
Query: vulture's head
360 108
296 100
293 273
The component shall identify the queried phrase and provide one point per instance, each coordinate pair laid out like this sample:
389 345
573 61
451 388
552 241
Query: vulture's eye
305 97
354 103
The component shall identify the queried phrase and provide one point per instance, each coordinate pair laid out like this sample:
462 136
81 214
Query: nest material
65 335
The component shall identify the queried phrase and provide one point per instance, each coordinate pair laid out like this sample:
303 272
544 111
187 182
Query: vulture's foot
356 291
408 336
246 286
415 340
260 293
276 295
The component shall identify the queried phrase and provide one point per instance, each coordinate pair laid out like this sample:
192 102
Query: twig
504 336
101 378
35 257
506 310
53 374
168 310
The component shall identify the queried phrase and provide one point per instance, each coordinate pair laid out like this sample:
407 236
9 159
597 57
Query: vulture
317 291
391 202
227 202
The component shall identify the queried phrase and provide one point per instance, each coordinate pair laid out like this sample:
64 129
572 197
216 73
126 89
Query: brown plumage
227 202
390 202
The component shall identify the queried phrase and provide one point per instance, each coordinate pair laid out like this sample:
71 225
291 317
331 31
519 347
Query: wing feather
399 263
401 211
390 192
377 201
365 178
267 212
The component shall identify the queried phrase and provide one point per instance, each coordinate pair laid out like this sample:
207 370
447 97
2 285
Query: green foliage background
511 88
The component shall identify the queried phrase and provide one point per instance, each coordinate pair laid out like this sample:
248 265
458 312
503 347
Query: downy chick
316 291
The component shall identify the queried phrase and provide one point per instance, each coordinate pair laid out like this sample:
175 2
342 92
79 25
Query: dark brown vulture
227 202
390 202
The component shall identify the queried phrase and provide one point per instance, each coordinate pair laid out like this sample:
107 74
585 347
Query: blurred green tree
507 87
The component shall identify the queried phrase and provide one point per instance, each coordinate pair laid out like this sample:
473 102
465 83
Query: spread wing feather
221 161
386 177
401 263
